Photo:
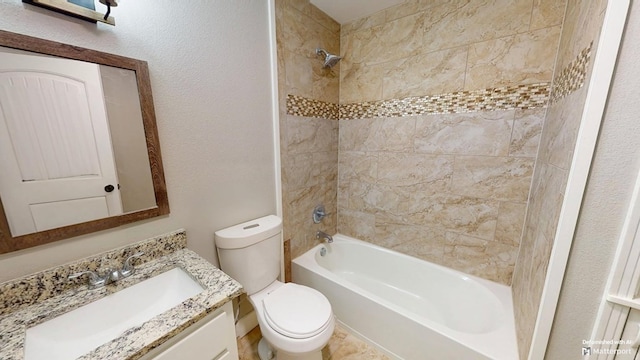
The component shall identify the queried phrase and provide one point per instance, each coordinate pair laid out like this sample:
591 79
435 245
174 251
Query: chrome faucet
324 235
96 280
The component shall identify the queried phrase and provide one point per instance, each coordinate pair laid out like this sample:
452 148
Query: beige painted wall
613 174
210 74
448 188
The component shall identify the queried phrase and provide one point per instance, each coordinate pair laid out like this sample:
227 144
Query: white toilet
295 320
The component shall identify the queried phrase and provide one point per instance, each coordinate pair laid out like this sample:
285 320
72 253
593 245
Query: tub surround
414 91
34 299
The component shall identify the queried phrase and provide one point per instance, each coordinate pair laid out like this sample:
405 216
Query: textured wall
450 188
213 107
581 28
308 145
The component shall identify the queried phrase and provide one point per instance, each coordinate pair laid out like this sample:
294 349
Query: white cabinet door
215 340
55 145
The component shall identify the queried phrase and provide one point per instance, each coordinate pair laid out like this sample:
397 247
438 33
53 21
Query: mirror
79 151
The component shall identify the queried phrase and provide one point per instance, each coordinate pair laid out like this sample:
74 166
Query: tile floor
341 346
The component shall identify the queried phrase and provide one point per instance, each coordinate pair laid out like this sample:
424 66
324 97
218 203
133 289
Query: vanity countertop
37 298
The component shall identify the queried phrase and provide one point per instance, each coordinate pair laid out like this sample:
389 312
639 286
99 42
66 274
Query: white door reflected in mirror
55 145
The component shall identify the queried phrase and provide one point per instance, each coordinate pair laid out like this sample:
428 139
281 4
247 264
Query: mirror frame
9 243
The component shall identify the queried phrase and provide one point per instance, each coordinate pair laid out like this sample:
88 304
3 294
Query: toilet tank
251 252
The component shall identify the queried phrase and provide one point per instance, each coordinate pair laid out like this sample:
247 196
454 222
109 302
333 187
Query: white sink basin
80 331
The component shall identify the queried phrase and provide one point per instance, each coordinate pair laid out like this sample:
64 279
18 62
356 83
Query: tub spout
324 235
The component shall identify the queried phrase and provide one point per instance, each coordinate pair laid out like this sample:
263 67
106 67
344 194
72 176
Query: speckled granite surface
36 298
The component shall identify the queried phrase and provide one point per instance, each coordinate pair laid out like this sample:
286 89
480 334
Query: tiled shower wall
580 35
441 110
309 145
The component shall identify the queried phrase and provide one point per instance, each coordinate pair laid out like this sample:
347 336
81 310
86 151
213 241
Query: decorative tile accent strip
301 106
502 98
572 76
530 96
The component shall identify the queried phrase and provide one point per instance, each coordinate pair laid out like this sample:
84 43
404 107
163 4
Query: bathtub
410 308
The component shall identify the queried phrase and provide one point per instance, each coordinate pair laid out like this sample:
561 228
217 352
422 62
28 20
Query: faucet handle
318 214
95 280
127 267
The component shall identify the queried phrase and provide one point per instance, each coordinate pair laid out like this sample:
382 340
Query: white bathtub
410 308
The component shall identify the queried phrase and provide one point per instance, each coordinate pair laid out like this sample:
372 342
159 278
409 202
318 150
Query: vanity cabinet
212 338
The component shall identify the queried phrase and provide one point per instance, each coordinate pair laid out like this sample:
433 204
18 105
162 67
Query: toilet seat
297 311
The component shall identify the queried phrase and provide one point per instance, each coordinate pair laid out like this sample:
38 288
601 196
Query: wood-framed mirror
74 163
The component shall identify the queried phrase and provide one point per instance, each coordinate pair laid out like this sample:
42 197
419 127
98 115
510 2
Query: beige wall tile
303 35
500 178
432 73
297 169
384 134
526 58
359 225
420 241
547 13
305 135
323 19
390 41
466 215
510 222
356 165
582 24
359 82
309 146
456 23
477 133
561 130
363 23
487 259
581 27
527 128
411 7
401 169
298 74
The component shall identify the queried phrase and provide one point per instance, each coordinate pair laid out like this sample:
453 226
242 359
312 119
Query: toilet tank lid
248 233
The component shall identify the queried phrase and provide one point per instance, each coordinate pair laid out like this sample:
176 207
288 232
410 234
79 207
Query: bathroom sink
78 332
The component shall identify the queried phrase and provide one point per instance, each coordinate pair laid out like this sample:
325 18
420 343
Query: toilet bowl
296 321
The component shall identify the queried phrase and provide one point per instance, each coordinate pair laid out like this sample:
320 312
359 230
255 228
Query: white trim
275 105
619 292
275 115
603 67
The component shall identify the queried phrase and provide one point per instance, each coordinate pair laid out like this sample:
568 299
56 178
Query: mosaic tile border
529 96
301 106
572 77
502 98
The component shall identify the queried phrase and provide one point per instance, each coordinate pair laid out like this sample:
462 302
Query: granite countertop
36 298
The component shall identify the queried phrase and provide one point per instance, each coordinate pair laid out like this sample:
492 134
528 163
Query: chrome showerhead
330 60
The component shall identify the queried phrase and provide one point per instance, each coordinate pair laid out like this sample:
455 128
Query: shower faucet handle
318 214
